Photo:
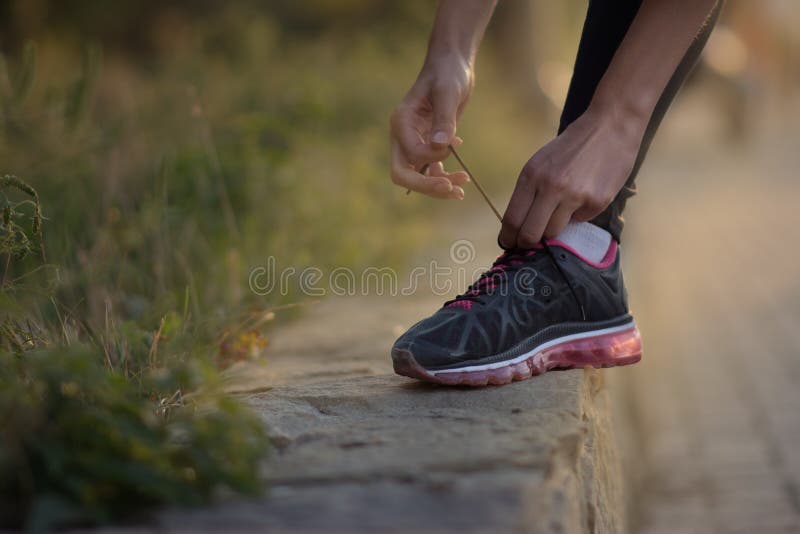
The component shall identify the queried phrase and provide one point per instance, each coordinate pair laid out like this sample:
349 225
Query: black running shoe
533 311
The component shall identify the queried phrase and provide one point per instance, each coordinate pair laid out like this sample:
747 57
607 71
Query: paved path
714 277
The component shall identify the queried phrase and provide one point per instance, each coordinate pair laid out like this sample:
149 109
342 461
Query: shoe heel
606 350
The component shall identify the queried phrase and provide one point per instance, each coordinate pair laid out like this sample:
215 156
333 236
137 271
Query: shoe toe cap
427 354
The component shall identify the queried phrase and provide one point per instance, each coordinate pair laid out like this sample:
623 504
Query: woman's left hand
574 176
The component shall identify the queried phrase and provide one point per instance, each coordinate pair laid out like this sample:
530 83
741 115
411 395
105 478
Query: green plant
17 333
14 241
80 445
96 432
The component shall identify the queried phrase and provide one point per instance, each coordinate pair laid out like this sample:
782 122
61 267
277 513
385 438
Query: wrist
456 36
449 43
447 61
626 117
447 69
630 101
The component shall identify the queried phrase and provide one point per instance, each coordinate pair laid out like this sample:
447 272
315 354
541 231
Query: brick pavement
713 272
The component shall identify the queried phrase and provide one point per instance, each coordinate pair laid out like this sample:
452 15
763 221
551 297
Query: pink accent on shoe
606 350
488 280
607 260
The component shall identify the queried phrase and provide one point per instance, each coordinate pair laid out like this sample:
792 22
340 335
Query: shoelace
500 273
472 179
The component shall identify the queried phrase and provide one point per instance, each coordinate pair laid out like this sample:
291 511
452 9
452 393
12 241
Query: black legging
607 22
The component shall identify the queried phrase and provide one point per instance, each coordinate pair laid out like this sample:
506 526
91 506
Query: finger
537 220
445 110
456 178
516 211
436 169
588 212
408 132
423 170
559 220
436 187
404 175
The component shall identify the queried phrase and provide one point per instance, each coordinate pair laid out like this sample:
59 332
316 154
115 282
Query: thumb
445 106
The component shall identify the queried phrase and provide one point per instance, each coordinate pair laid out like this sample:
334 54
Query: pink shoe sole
622 347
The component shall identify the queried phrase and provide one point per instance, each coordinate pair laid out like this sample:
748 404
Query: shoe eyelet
563 256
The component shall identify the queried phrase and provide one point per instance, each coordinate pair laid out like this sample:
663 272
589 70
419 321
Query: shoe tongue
589 241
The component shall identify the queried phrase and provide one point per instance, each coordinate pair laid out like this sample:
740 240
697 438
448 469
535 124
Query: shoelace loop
508 262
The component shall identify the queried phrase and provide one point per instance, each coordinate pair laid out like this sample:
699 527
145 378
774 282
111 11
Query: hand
574 176
423 126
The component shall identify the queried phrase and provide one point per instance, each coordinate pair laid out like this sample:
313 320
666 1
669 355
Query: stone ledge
383 452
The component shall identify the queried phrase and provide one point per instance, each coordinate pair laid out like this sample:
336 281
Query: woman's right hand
424 125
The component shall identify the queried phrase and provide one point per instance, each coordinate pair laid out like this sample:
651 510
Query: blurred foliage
79 446
134 25
155 179
234 143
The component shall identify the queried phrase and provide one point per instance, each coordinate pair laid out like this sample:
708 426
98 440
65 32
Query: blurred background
175 145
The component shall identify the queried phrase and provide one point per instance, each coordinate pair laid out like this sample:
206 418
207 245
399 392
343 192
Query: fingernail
459 193
444 187
439 137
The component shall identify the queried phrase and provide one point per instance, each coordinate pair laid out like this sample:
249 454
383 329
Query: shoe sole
608 347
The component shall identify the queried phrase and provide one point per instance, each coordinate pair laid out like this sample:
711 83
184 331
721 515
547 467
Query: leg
607 22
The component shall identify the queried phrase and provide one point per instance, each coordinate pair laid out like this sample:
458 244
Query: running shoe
532 311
